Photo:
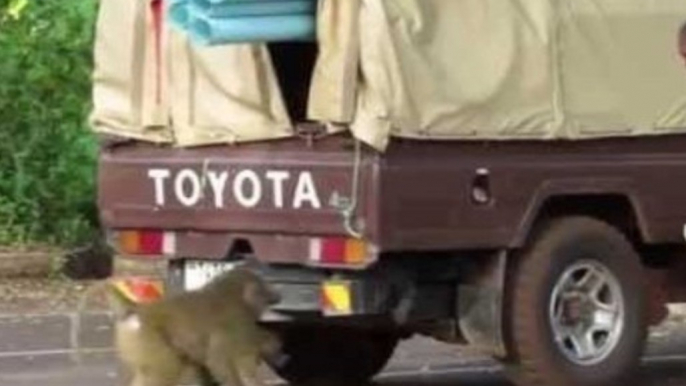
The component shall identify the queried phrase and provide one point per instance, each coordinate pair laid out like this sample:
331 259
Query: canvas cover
127 82
519 69
151 83
226 94
427 69
335 78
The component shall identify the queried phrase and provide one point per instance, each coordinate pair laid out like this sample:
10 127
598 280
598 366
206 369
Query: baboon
214 330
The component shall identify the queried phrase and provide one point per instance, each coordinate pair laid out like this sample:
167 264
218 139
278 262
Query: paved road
36 351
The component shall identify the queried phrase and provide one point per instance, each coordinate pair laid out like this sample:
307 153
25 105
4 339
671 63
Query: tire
577 312
332 354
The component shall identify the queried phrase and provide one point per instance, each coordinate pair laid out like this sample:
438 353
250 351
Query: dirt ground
37 296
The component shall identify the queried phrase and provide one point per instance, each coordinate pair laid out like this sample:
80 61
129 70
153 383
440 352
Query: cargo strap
348 211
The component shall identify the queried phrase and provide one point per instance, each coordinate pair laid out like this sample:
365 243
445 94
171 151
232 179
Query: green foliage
47 154
16 7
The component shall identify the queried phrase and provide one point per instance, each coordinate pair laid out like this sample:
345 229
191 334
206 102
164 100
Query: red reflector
333 251
151 243
140 290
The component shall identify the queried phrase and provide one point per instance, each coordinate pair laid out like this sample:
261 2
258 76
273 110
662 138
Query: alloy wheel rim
587 312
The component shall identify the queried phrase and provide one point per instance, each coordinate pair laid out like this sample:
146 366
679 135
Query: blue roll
255 8
180 14
236 1
216 31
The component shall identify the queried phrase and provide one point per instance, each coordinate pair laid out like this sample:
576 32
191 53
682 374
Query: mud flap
481 304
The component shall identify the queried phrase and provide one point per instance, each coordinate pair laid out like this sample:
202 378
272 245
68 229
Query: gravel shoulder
46 295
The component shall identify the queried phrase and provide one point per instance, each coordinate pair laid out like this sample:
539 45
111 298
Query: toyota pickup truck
507 246
540 224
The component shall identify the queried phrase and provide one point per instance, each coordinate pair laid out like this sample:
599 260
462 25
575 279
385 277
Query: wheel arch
620 210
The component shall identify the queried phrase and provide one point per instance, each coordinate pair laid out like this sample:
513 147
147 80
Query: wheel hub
587 312
577 309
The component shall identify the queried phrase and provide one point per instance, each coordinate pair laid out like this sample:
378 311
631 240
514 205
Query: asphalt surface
37 350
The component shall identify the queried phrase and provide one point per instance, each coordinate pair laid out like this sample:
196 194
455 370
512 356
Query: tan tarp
433 69
520 69
186 95
333 90
128 95
225 94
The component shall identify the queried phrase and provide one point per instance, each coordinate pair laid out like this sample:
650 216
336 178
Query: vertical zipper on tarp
157 8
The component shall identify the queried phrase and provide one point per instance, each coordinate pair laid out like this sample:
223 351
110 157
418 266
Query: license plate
197 274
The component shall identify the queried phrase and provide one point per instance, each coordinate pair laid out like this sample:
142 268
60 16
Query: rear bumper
300 289
376 293
372 295
368 296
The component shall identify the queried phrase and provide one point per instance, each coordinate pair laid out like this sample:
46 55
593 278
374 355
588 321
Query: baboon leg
247 368
151 362
219 362
146 353
224 373
270 343
163 377
205 377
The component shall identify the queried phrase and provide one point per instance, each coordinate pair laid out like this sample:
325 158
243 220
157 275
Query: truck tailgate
276 187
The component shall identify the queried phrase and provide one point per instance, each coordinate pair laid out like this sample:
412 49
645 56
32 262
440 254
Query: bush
47 153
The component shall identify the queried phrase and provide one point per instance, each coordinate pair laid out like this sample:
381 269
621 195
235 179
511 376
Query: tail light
339 251
146 243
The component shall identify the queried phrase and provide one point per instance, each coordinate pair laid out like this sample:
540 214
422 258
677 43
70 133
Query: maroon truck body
419 196
464 238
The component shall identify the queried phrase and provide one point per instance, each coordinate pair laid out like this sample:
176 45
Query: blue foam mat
211 31
258 8
216 22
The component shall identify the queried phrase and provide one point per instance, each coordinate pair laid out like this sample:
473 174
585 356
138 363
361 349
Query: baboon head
257 294
247 286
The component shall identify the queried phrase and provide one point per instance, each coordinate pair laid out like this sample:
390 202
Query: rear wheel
578 313
328 354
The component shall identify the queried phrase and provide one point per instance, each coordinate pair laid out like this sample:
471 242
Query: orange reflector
337 298
129 242
355 251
